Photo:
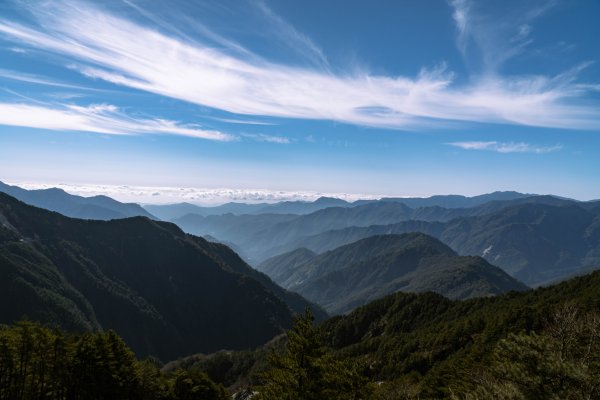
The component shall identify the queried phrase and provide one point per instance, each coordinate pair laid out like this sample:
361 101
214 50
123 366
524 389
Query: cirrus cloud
114 49
506 147
99 118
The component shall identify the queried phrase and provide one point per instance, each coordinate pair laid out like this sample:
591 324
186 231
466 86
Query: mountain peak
359 272
329 200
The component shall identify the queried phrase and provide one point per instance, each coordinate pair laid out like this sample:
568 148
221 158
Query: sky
271 100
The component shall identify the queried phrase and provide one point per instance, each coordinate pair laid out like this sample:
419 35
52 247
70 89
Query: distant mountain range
536 243
95 207
166 293
457 201
261 236
355 274
169 212
537 239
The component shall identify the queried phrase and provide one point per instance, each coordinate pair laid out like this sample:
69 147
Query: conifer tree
306 370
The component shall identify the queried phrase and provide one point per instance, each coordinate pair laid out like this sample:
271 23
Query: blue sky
347 97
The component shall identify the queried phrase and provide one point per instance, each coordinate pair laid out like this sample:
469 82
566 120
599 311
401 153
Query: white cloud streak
498 37
506 147
461 18
38 80
261 137
287 34
242 121
125 53
99 118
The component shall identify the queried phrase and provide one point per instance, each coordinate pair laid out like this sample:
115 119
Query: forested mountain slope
536 243
354 274
166 293
537 344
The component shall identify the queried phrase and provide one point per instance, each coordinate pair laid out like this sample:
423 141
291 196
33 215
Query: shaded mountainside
352 275
95 207
166 293
233 262
536 243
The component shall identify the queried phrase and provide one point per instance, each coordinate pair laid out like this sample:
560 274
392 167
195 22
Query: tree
306 370
562 362
196 385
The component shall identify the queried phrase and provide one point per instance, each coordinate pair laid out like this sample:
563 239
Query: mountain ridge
356 273
95 207
175 293
550 238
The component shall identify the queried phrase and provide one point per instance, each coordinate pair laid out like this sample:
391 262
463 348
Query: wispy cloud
498 37
242 121
290 36
39 80
126 53
506 147
461 19
261 137
100 118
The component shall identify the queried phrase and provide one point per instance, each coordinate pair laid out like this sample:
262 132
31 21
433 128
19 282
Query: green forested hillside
166 293
538 344
441 344
352 275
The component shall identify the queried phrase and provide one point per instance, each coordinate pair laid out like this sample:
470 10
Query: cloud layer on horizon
202 196
103 46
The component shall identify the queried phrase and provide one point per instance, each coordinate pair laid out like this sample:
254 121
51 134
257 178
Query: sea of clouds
201 196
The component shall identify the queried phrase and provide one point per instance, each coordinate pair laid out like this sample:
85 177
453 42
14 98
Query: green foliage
407 346
39 363
195 385
306 370
563 362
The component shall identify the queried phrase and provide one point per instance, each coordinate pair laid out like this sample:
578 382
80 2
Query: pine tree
562 362
306 370
196 385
